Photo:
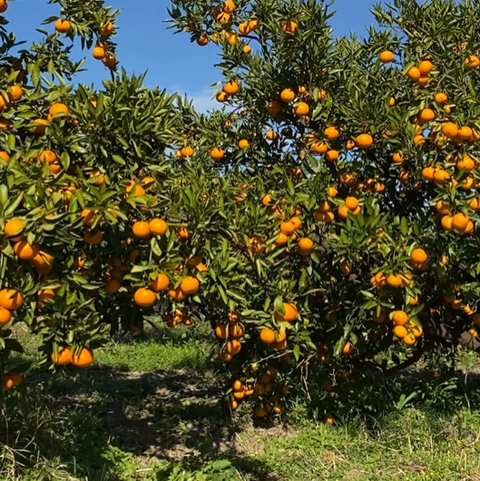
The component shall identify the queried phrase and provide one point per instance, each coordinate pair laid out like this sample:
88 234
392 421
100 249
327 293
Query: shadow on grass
92 422
101 422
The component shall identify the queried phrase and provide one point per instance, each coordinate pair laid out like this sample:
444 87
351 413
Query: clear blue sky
146 44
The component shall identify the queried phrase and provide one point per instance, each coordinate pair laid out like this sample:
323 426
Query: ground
152 409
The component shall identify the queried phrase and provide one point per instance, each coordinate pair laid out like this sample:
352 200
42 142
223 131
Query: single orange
82 358
158 226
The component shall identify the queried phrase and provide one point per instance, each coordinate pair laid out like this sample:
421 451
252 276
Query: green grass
148 356
151 409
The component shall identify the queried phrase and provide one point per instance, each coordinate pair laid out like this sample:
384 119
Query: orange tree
349 171
84 180
325 218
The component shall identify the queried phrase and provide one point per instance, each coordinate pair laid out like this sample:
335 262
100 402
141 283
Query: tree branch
407 363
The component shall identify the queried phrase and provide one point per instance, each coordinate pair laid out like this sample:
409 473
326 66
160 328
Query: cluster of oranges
264 385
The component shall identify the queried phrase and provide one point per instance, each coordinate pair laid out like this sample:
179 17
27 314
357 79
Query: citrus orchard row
326 217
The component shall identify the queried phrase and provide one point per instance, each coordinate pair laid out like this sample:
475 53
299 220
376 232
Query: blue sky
146 44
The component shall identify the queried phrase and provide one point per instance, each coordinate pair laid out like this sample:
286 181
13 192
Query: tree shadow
100 414
370 396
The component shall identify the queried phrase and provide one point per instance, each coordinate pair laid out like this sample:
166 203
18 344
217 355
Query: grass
152 410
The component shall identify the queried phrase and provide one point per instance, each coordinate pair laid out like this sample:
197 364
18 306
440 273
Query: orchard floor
151 409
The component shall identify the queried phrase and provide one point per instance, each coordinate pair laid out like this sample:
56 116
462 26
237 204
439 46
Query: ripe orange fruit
281 239
267 199
394 280
447 222
400 318
348 348
332 155
3 6
221 97
289 27
428 173
112 286
110 61
45 295
62 26
160 283
427 115
83 358
189 285
409 339
4 156
466 163
11 299
332 192
296 221
40 125
441 98
345 267
233 347
25 251
290 315
88 217
287 228
93 238
254 24
221 331
202 40
5 316
243 144
459 221
237 330
63 357
144 297
231 88
99 53
398 158
287 95
474 204
141 229
158 226
107 29
58 108
331 133
442 207
12 227
418 139
12 379
343 211
351 203
3 102
419 255
247 49
472 62
425 67
244 28
450 130
465 133
137 189
413 300
413 74
305 246
364 141
400 331
15 92
301 109
387 56
217 153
